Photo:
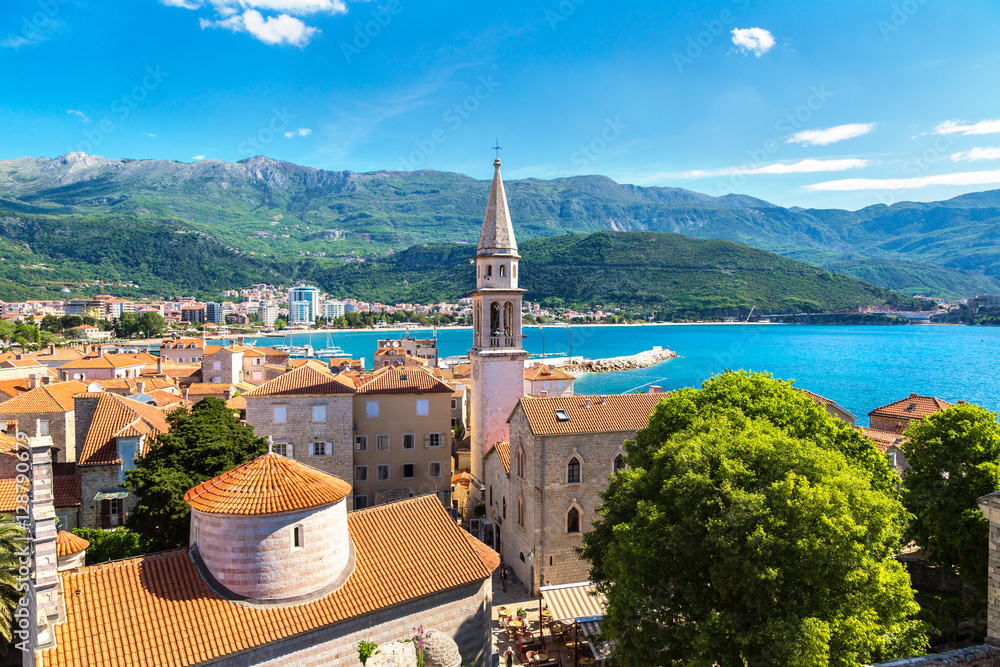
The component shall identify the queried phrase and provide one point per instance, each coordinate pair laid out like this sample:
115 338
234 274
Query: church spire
497 237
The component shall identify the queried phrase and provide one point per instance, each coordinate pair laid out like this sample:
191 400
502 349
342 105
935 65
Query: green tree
201 444
280 324
954 459
10 587
751 528
108 545
151 324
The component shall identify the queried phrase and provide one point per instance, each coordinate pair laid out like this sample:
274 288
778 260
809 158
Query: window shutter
288 450
427 440
329 449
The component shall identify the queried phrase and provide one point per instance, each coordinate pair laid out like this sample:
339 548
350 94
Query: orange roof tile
209 388
461 478
311 379
269 484
132 383
114 417
12 388
914 407
158 610
54 397
396 380
503 451
68 544
183 344
619 412
883 440
237 403
107 361
20 363
66 492
462 370
540 372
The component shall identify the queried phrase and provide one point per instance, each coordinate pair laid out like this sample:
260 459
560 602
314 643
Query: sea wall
612 364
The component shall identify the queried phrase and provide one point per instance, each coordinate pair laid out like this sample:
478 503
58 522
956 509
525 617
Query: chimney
184 393
19 356
654 389
52 348
141 386
100 350
12 427
159 365
586 402
604 399
34 381
914 394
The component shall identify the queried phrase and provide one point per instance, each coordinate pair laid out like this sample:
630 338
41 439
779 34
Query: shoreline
629 362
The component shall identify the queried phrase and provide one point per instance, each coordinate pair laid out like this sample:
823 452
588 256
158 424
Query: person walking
503 577
508 658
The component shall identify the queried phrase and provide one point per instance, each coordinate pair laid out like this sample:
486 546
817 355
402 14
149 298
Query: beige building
183 350
223 366
543 380
104 367
309 415
420 348
543 497
402 437
889 424
47 409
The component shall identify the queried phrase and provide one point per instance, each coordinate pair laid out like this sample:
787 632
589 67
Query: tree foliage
108 545
954 459
200 445
752 528
11 589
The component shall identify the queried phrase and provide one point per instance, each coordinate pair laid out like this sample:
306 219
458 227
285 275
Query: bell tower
496 356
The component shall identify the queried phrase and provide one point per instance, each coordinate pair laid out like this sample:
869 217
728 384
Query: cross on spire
498 148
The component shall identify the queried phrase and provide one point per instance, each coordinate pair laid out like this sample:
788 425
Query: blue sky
822 104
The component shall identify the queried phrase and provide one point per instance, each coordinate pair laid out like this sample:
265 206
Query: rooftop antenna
498 147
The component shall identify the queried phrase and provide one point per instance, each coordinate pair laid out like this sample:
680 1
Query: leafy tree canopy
954 459
108 545
742 534
200 445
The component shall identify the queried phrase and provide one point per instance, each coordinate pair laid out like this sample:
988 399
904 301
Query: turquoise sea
860 367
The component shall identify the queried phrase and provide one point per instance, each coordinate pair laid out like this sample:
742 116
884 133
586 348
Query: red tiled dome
68 544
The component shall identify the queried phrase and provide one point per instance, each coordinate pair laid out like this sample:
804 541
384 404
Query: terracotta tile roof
54 397
20 363
461 478
914 407
540 372
107 361
462 370
237 403
311 379
396 380
619 412
502 450
117 417
406 359
183 344
68 544
163 399
132 383
209 388
67 490
269 484
158 610
883 440
12 388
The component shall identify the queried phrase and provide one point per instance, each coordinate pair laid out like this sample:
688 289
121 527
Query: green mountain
669 274
261 213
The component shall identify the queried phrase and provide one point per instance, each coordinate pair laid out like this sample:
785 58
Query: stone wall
94 479
974 656
887 424
62 430
462 613
497 386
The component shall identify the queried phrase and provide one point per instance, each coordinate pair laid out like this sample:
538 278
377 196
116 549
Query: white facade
267 313
303 305
333 309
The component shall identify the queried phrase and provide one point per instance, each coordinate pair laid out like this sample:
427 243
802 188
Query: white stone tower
496 356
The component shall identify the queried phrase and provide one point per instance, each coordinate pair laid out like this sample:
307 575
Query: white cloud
149 134
809 166
830 135
82 116
197 158
301 132
753 40
961 178
977 154
991 126
281 29
297 7
183 4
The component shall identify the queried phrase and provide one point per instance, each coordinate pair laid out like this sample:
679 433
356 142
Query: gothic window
494 319
573 520
619 464
489 270
520 512
503 271
520 462
508 319
513 270
573 471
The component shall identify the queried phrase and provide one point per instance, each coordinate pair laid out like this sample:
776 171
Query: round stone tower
71 551
272 529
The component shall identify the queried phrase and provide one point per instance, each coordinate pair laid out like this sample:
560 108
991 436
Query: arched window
573 471
504 500
503 271
513 270
619 464
508 319
573 520
520 512
494 319
520 461
489 270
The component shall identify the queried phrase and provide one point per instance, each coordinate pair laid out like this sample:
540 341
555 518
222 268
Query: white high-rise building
333 309
303 305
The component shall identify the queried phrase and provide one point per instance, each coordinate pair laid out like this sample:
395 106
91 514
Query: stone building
889 424
104 367
497 357
543 497
309 415
46 409
65 482
223 366
543 380
278 574
402 437
183 350
421 348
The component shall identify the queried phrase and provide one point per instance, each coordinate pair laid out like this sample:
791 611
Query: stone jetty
640 360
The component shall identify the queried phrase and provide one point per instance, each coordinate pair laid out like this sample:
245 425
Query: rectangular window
454 403
280 448
423 407
319 413
434 469
216 365
371 408
320 449
382 443
408 469
361 443
43 427
280 414
432 440
360 473
548 385
360 502
382 472
559 385
409 441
